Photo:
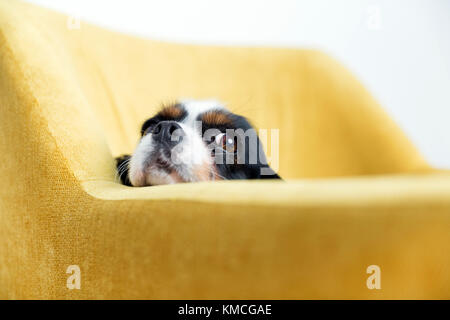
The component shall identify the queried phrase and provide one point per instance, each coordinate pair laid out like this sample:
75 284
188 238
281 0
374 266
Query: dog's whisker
213 172
123 165
122 168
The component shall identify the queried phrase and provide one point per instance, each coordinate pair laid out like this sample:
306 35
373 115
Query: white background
400 49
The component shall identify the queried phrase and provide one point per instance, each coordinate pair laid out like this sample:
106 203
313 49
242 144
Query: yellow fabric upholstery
357 192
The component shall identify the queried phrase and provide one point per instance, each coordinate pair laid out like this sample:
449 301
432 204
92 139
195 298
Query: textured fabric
357 191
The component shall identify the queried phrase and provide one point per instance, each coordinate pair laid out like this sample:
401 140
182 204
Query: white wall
400 49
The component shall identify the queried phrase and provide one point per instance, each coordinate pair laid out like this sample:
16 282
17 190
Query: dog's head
197 141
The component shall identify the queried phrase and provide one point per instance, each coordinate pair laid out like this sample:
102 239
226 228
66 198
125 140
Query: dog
191 141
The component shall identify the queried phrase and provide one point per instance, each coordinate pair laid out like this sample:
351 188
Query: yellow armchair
357 193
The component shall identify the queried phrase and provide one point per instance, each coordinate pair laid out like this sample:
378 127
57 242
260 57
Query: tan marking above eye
171 111
216 118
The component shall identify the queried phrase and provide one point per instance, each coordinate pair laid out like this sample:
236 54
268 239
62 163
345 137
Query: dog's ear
264 171
271 176
267 173
122 169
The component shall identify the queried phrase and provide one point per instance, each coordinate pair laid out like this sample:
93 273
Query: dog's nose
169 132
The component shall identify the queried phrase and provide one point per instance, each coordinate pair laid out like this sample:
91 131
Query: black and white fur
194 140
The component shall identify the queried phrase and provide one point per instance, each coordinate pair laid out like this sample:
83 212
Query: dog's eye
227 143
219 138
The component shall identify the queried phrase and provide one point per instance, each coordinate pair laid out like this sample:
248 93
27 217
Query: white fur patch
196 107
137 168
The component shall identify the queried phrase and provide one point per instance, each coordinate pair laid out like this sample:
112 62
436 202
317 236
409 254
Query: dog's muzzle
168 133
